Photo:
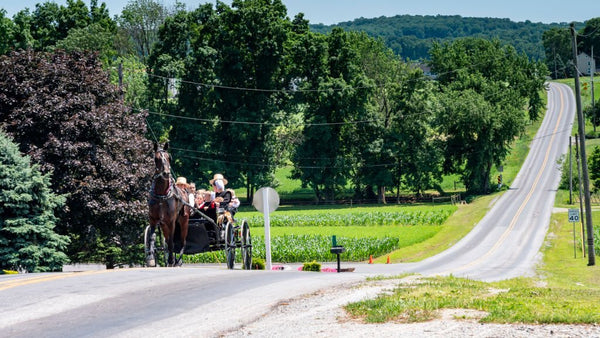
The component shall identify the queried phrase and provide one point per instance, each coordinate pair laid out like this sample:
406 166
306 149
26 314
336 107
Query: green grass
566 290
513 301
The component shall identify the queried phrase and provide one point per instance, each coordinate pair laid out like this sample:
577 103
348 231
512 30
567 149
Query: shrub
258 264
312 266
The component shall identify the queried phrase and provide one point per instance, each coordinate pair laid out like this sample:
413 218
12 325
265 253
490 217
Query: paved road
207 300
506 242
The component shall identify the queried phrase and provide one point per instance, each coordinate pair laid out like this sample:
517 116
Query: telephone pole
584 167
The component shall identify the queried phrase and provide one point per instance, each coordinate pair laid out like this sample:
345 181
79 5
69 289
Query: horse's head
162 162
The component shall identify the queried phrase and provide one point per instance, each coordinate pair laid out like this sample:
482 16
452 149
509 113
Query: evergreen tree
27 237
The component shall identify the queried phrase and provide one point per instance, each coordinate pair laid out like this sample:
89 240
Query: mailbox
337 249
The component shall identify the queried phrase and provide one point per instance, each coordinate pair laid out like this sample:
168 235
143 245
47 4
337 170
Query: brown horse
165 203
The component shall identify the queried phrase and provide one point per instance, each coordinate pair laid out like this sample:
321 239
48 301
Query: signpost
574 215
266 200
574 218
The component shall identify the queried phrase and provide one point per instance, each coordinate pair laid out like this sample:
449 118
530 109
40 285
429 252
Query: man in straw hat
225 197
183 185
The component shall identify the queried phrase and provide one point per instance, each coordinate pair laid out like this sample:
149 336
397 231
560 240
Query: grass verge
565 291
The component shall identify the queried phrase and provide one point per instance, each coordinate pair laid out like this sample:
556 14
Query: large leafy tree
395 143
50 23
594 160
7 32
336 96
558 50
141 19
253 34
590 36
65 114
486 87
27 238
231 63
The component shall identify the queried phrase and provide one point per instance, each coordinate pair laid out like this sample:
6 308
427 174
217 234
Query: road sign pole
267 229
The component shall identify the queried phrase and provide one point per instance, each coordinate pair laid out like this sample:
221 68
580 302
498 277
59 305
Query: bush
312 266
258 264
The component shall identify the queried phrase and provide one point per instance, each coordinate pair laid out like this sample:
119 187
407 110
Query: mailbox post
337 250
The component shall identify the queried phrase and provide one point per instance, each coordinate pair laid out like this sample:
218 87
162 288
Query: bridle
164 174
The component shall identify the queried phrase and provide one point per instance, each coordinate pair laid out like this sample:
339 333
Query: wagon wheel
246 246
230 244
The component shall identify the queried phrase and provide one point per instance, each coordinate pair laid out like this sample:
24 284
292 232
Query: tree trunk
381 195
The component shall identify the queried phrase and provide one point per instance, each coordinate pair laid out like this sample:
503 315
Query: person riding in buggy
211 226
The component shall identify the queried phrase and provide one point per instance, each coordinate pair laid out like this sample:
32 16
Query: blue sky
333 11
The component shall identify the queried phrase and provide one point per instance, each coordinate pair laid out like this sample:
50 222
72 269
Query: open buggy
204 235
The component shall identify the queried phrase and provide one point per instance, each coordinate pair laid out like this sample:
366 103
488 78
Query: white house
585 64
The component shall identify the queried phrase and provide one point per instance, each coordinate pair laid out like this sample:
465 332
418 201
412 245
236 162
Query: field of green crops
306 235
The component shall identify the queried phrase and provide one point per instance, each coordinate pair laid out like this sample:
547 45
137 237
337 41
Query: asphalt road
204 301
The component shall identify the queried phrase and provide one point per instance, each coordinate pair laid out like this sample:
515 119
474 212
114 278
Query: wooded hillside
411 36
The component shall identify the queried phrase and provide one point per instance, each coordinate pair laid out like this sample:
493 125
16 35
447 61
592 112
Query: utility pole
570 172
592 70
584 167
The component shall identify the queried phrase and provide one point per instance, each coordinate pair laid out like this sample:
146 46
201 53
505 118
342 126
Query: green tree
590 36
594 168
335 97
558 51
22 33
91 38
141 20
395 146
7 32
27 237
230 61
485 86
73 123
253 34
50 23
43 25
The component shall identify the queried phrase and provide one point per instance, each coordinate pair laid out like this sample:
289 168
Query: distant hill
411 36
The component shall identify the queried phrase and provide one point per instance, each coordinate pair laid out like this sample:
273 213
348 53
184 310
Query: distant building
585 64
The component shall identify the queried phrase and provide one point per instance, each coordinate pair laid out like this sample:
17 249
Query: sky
334 11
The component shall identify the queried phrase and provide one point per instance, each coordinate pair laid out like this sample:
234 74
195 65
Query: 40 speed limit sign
573 215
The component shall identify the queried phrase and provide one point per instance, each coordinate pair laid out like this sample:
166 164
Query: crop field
306 235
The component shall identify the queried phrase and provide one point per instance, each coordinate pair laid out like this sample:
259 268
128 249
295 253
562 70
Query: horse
166 205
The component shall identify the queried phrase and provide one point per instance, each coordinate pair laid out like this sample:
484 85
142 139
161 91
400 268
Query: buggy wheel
246 246
230 245
149 247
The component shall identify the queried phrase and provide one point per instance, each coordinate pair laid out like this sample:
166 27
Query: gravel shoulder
321 314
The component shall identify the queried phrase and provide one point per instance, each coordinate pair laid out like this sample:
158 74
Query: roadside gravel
321 314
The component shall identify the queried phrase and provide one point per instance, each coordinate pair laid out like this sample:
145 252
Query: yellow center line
20 282
522 207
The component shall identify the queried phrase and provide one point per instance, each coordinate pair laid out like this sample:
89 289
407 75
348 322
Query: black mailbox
337 249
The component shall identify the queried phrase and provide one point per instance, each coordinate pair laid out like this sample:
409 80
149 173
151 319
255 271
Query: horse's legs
170 245
151 245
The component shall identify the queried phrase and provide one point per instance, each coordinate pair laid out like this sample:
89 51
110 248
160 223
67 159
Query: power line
276 124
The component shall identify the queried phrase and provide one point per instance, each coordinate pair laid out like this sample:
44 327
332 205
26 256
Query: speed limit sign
573 215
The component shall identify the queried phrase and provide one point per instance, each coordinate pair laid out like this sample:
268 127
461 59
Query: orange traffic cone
388 260
370 259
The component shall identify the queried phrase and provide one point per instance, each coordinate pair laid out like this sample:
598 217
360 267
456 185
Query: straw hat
218 177
181 181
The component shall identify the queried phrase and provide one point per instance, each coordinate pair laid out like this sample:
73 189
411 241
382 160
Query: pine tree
27 238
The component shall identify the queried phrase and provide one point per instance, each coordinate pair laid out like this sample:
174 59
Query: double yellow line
522 207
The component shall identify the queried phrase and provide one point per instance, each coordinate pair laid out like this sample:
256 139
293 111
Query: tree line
242 89
412 36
